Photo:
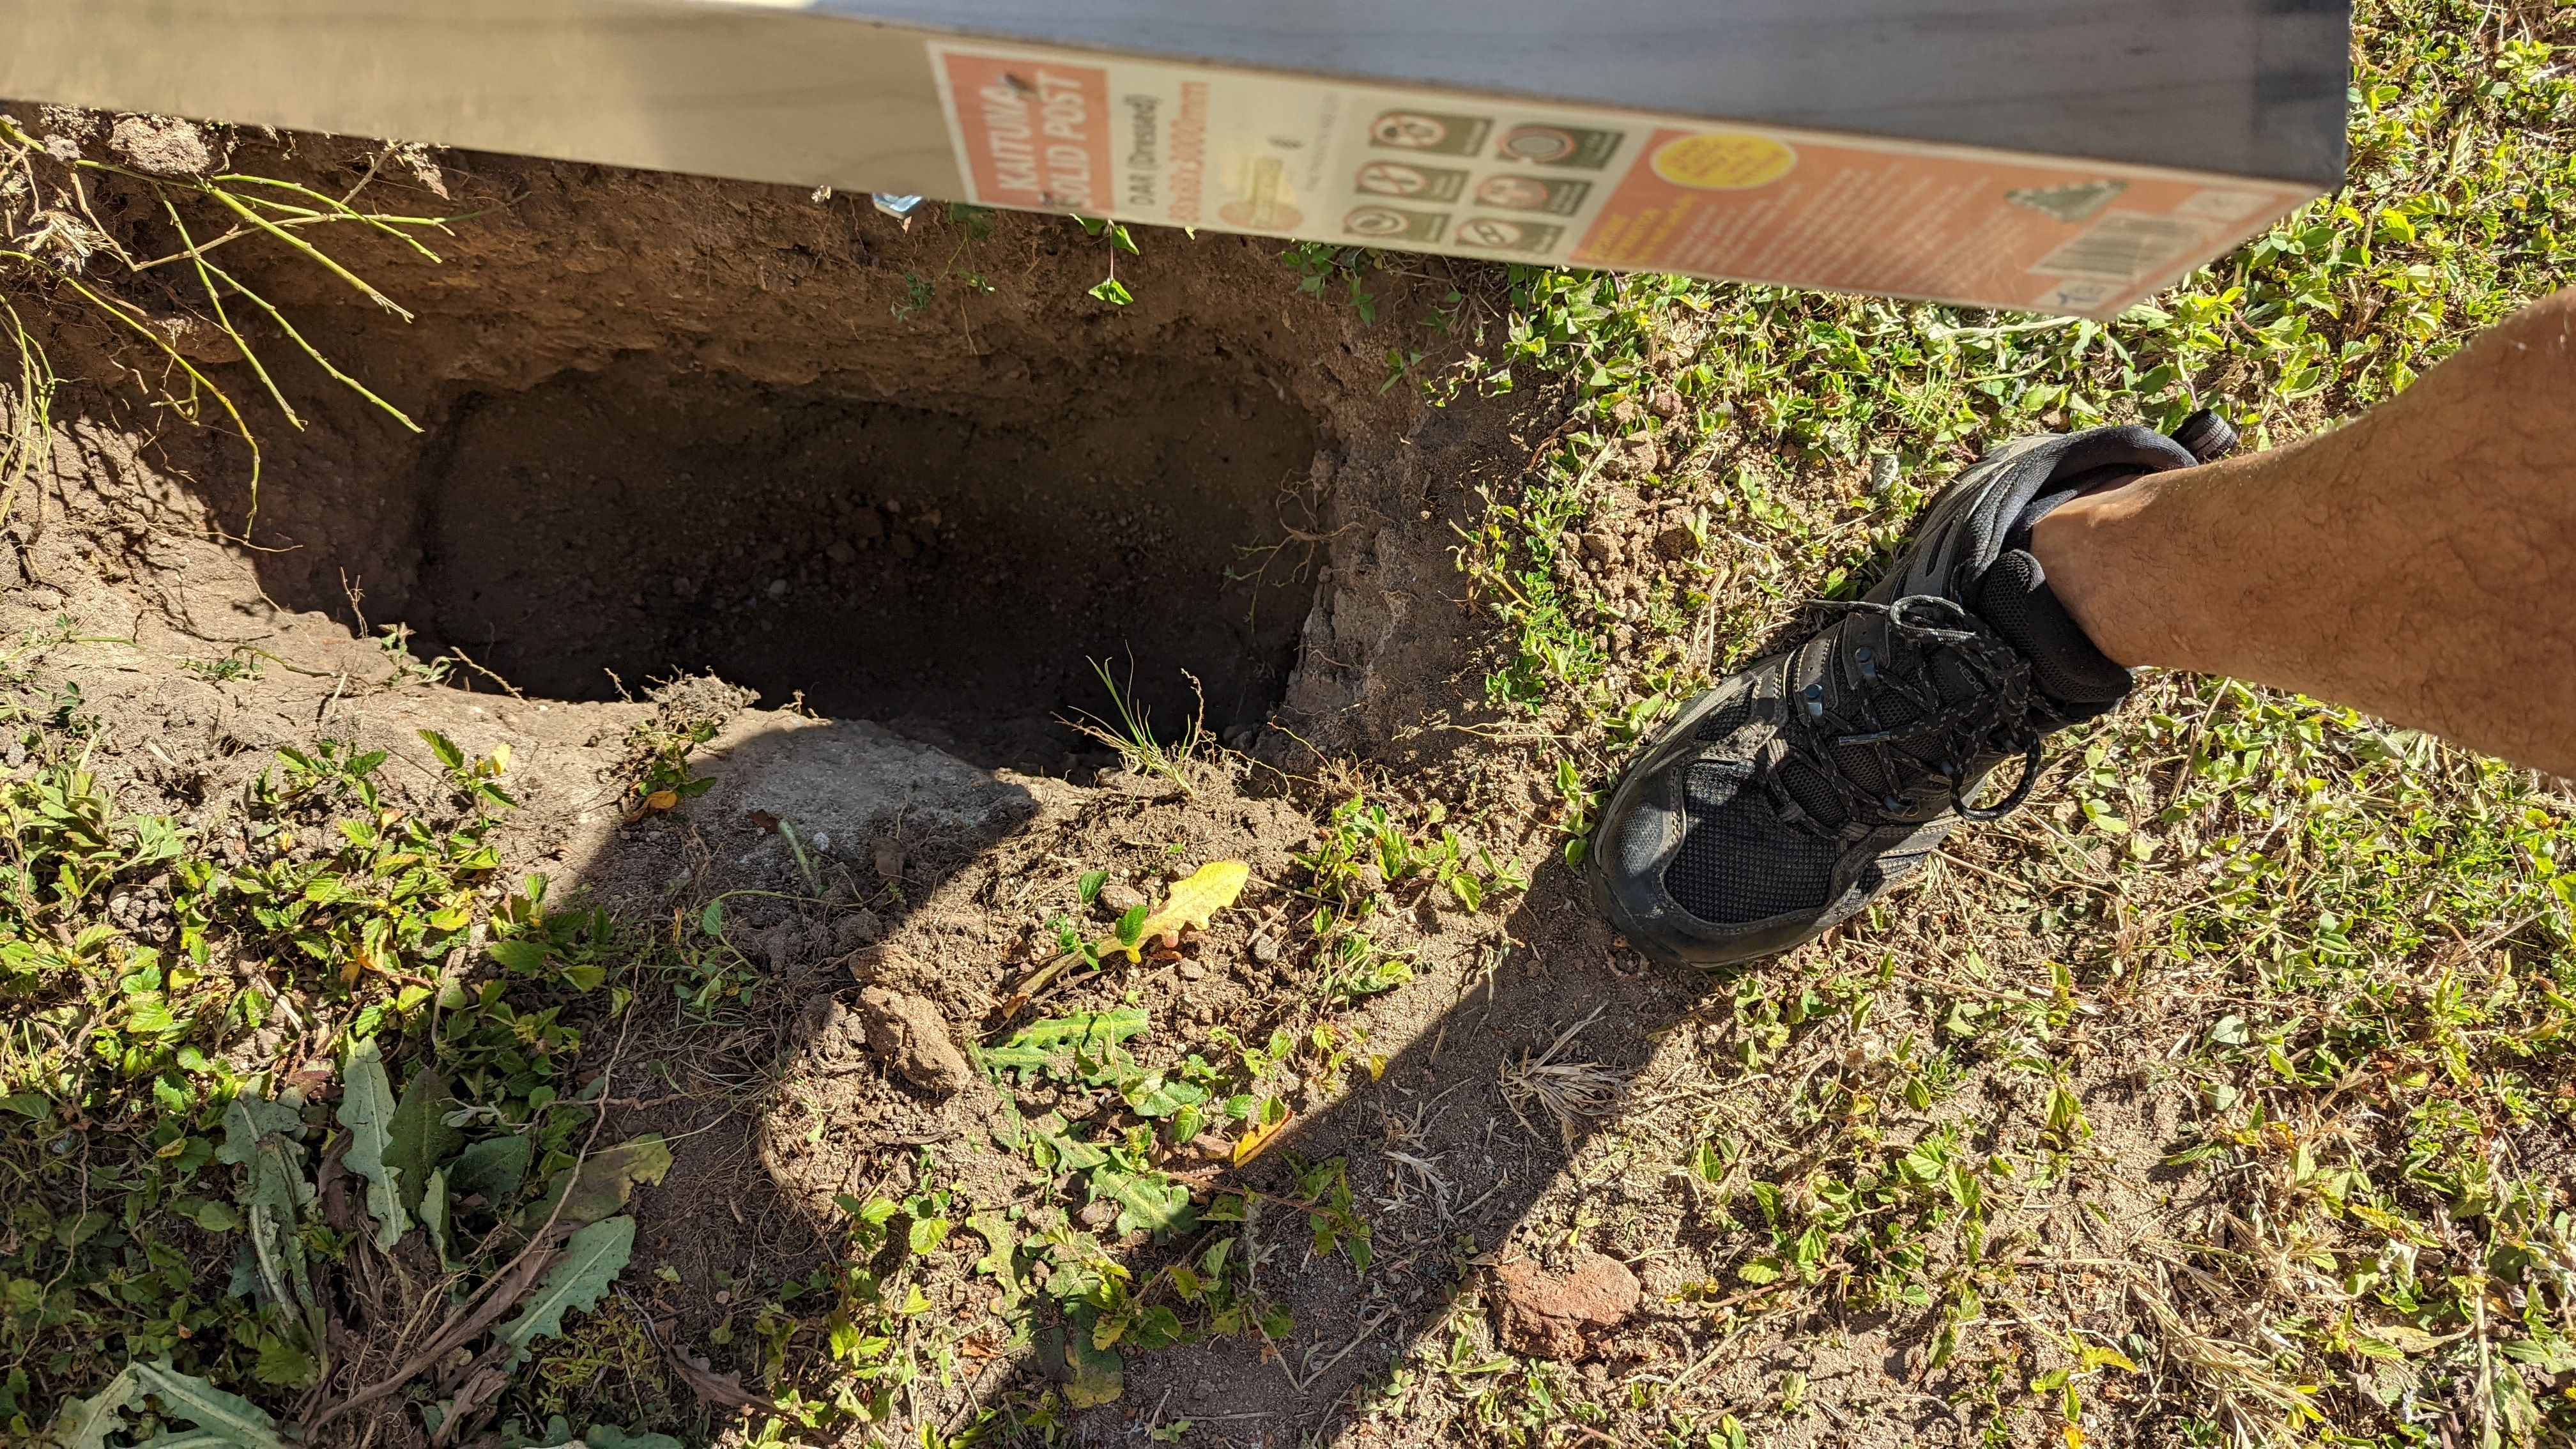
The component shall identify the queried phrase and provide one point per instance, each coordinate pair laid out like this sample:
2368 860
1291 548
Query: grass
2353 939
155 976
1133 735
2344 948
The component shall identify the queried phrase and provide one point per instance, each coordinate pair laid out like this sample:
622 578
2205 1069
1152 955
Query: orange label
1922 224
1034 133
1357 164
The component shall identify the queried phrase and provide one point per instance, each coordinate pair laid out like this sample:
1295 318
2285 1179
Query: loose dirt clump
910 1036
1556 1315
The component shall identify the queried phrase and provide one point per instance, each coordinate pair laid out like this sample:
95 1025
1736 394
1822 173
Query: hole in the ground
951 571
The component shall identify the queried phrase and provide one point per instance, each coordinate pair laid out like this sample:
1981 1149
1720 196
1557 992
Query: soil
673 427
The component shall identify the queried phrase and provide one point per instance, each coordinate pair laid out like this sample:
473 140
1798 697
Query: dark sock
2058 491
2077 678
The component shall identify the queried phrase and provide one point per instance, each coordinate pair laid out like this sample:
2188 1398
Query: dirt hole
950 571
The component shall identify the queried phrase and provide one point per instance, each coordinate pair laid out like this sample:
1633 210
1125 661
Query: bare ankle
2078 545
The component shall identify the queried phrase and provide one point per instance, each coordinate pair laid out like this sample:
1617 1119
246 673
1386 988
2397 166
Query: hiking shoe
1800 789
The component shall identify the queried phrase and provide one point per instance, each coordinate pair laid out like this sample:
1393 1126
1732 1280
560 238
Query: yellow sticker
1724 161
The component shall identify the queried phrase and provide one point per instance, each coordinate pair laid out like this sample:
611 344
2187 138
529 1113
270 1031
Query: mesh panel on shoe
1812 793
1727 718
1739 864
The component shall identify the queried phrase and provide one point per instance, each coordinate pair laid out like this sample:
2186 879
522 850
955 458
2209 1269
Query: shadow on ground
919 873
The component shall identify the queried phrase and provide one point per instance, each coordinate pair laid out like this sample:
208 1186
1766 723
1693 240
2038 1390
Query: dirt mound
909 481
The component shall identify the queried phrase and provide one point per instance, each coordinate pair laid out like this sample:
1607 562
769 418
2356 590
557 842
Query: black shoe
1803 787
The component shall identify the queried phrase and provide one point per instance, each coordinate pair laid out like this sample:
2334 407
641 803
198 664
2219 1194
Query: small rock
1099 1214
1264 950
1601 546
1118 897
912 1037
1665 403
1191 971
1552 1315
858 928
840 551
778 588
1882 472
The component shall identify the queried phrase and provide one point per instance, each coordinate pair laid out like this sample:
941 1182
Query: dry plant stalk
1567 1092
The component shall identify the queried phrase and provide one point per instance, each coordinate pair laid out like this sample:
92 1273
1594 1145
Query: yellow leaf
2100 1356
501 758
2074 1436
661 799
1255 1138
2403 1337
1192 902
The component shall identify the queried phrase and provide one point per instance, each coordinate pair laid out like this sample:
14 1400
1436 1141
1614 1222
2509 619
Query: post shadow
1440 1100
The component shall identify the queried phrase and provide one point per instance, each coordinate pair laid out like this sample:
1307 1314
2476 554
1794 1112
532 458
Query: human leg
2416 563
2419 564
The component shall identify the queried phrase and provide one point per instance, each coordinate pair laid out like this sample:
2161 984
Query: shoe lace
1991 721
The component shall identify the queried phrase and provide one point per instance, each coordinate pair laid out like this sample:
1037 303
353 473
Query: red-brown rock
1554 1315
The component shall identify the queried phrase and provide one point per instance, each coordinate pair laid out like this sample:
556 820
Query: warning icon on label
1559 146
1432 131
1508 236
1403 178
1394 223
1533 193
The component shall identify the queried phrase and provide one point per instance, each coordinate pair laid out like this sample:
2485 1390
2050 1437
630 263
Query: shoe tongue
1885 709
2015 600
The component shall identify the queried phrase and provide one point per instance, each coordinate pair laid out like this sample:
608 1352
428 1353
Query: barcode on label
2124 246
